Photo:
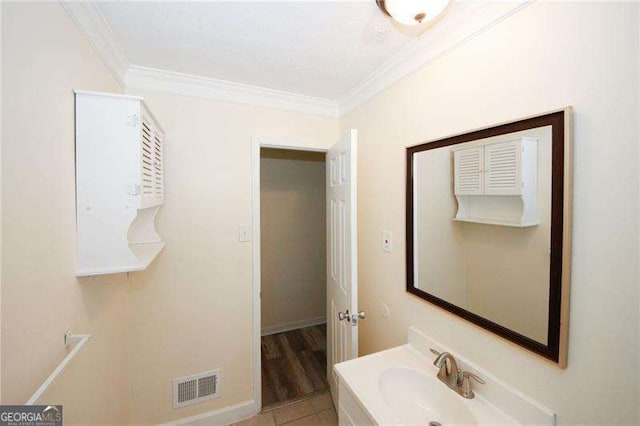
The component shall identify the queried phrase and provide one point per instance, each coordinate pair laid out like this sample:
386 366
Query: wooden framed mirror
488 216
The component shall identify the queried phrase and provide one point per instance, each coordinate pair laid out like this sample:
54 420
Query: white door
342 272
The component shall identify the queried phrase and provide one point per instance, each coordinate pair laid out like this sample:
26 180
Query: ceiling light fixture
412 12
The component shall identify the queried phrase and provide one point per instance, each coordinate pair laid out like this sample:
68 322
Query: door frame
256 144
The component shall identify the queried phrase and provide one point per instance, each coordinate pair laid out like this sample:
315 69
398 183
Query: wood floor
294 364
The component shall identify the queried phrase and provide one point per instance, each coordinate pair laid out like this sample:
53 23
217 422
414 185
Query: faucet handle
473 376
433 351
465 387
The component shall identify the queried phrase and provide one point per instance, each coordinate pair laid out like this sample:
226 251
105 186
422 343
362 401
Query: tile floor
317 410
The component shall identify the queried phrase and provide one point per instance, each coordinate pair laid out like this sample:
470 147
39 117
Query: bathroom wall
546 56
44 57
191 311
293 249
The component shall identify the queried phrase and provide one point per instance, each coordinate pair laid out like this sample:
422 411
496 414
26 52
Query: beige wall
44 58
582 54
293 250
191 311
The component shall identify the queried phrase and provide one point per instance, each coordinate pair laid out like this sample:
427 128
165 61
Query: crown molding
453 30
152 79
89 19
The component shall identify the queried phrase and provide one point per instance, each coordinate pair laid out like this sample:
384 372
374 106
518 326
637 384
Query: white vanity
399 386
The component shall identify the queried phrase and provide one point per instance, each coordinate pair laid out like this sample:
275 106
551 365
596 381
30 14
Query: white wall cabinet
119 183
496 183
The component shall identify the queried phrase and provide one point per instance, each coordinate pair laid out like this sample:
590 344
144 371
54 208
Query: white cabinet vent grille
468 171
197 388
502 161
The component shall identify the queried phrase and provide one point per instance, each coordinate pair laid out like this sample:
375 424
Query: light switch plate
244 233
387 241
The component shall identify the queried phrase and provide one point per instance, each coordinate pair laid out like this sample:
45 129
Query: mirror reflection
482 227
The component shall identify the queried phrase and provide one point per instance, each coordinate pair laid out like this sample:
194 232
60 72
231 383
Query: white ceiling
320 48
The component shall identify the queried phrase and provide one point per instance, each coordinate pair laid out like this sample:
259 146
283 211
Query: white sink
417 398
399 386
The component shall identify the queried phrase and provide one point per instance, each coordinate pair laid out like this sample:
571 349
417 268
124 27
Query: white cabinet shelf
119 183
496 183
144 255
497 222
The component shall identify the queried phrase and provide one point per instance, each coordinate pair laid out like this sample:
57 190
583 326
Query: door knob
356 317
343 315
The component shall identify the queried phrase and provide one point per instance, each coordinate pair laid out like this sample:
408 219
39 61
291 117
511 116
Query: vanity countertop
362 376
400 386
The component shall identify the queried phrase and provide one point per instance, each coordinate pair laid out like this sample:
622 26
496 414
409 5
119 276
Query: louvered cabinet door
158 165
152 162
503 163
147 151
468 165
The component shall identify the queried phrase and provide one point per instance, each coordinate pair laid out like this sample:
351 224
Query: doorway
340 337
293 275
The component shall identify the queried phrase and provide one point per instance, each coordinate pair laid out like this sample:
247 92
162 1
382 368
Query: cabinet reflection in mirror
488 229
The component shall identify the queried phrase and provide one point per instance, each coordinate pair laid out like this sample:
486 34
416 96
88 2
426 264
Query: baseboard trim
266 331
223 416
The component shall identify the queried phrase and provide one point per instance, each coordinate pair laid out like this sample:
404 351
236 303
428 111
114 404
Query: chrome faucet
452 376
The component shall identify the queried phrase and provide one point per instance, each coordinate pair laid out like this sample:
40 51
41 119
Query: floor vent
197 388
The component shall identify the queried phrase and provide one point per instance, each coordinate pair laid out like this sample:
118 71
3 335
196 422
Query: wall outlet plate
387 241
244 233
